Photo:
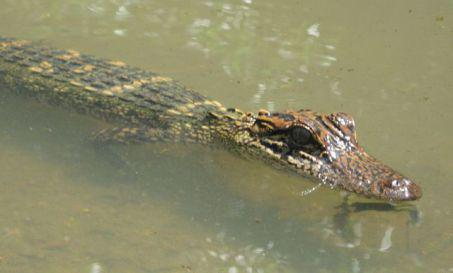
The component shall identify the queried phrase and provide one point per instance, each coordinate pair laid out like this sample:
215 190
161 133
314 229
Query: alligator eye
300 136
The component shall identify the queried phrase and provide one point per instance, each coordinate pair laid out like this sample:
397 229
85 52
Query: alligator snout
400 188
363 174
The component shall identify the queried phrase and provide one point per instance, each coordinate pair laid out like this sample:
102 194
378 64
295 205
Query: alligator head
325 146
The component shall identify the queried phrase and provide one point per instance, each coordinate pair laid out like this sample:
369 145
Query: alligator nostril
411 190
395 183
403 189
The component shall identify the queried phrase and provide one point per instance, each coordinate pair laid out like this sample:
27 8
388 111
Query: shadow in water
350 231
346 208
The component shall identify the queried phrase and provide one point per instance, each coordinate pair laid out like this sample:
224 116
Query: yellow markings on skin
236 110
117 89
107 93
120 135
36 69
70 54
90 88
83 69
173 112
160 79
143 81
215 115
75 83
18 43
136 84
128 87
127 131
64 57
183 108
88 68
45 65
117 63
229 117
186 109
214 103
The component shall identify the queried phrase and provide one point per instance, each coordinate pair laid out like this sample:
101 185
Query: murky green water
68 207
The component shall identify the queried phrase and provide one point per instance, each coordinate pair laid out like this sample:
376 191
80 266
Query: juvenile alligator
149 107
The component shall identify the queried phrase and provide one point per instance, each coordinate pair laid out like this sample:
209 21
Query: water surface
69 206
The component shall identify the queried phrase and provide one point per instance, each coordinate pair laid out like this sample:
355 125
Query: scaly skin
148 107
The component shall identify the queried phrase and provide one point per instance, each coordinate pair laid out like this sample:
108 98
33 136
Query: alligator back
109 89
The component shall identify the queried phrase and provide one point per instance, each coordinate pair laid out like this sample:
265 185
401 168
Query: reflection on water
232 37
242 37
350 232
68 206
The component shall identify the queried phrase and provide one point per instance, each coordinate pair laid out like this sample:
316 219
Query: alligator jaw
325 147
